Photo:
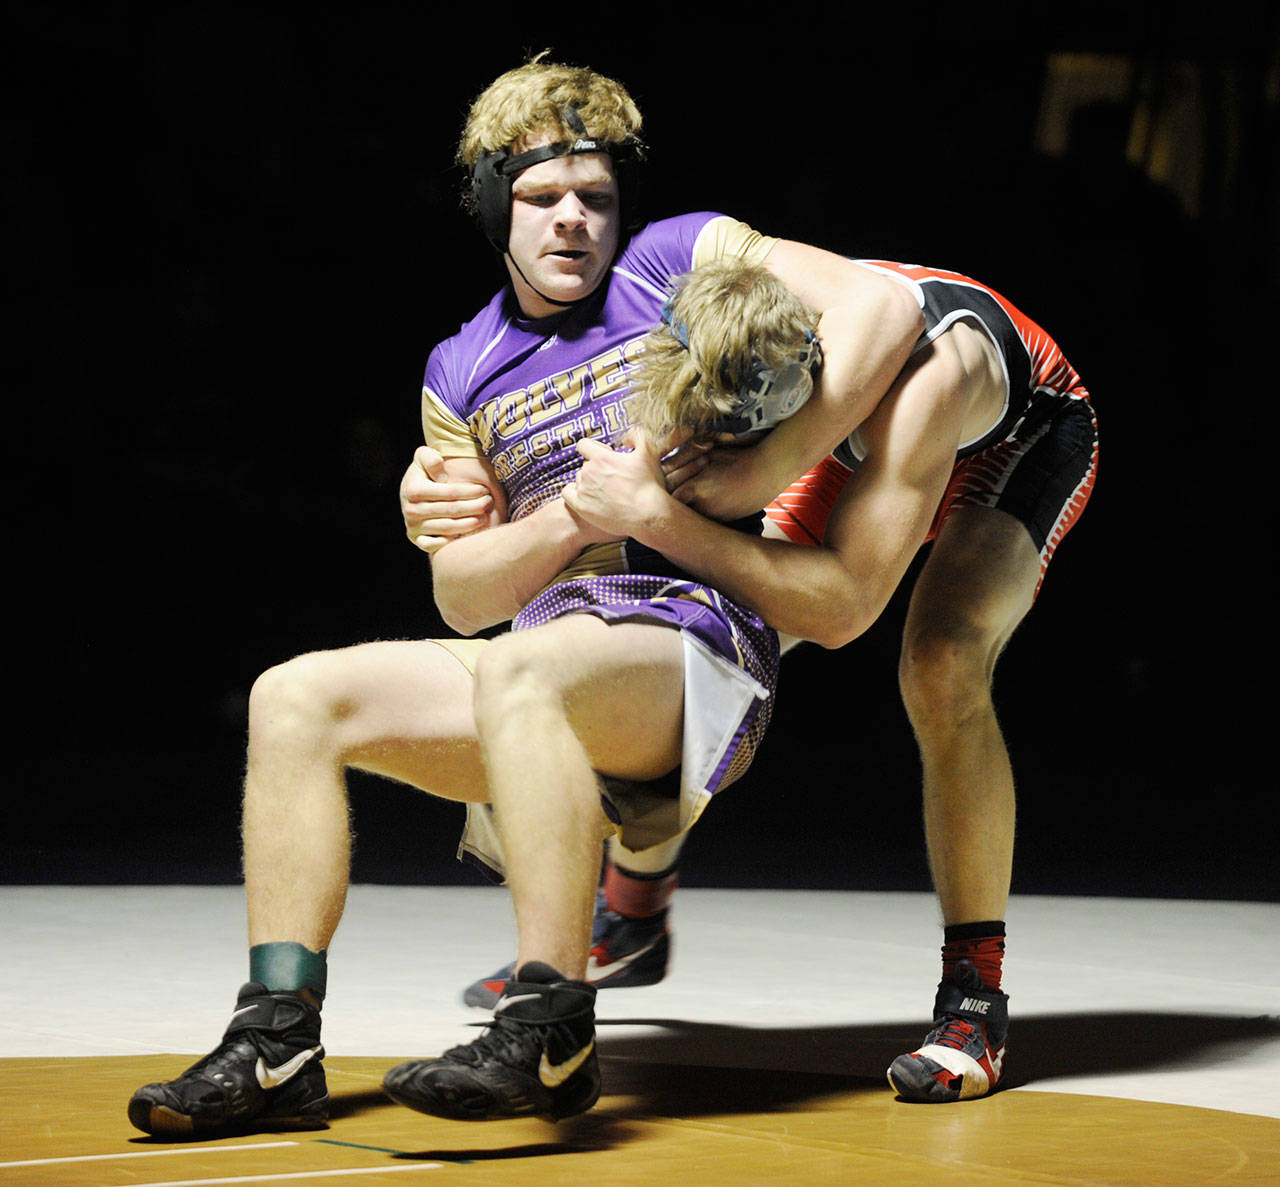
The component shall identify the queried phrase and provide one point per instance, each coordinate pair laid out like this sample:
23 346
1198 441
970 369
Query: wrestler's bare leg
659 858
975 588
554 705
401 709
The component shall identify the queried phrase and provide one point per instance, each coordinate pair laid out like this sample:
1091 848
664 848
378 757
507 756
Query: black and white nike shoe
537 1058
266 1074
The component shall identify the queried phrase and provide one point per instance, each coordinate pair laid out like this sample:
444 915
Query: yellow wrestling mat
62 1121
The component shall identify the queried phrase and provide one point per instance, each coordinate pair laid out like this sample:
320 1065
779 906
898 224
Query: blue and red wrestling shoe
963 1055
625 953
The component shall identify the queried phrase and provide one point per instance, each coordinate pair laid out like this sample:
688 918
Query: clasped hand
618 490
615 491
436 510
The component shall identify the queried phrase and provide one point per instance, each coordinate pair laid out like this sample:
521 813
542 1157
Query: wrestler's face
564 229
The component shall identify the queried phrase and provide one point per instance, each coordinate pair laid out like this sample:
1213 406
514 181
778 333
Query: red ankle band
638 896
986 954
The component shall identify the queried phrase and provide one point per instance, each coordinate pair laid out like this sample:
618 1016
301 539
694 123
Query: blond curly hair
532 99
733 315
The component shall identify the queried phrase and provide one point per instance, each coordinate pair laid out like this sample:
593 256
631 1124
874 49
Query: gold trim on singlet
724 236
465 651
444 430
600 560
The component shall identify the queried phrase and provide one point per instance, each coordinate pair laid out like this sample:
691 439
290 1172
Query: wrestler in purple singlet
525 391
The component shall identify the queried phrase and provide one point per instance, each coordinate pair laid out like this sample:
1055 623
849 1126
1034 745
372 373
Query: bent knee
299 697
945 677
512 671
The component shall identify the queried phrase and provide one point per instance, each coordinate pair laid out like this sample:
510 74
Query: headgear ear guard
494 172
766 397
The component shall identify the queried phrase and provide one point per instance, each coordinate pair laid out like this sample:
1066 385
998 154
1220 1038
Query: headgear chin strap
766 397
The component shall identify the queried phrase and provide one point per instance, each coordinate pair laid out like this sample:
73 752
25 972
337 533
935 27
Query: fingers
438 525
444 498
638 441
679 472
426 481
688 454
686 492
431 461
431 535
450 500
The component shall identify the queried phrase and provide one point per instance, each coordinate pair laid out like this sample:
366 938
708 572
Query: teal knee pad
287 966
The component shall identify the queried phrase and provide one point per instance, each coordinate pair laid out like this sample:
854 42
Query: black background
233 237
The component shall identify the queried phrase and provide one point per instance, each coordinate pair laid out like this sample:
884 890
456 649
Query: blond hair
533 99
732 315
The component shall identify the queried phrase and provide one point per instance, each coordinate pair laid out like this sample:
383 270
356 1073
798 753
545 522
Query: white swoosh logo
553 1075
511 999
273 1077
602 972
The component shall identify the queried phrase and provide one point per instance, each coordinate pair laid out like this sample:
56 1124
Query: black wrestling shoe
265 1074
537 1058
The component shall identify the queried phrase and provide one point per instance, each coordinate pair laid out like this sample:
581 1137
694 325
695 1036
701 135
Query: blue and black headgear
766 397
494 172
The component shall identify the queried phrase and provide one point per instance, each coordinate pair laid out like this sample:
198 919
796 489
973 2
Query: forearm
487 578
801 591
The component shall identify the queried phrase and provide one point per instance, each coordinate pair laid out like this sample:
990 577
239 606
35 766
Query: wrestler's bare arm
487 577
868 326
435 510
829 594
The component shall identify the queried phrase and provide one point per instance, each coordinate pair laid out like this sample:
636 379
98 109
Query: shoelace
229 1053
508 1042
955 1032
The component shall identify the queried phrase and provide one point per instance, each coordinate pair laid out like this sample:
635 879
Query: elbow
467 613
835 634
833 641
453 611
902 309
459 623
829 608
840 621
457 606
469 610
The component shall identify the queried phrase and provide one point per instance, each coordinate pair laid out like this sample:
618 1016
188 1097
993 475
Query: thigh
978 583
621 685
403 710
1043 476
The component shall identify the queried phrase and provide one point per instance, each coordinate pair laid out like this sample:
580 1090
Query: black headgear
494 172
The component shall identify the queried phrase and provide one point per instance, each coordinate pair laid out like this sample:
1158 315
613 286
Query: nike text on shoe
538 1058
266 1074
963 1055
625 954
